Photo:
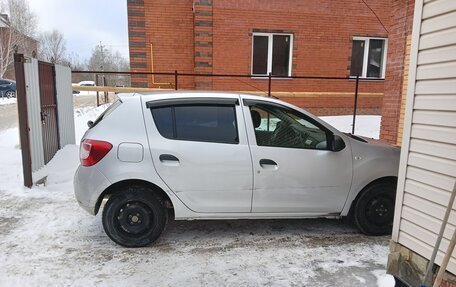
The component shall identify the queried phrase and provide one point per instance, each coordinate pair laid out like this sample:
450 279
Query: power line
376 16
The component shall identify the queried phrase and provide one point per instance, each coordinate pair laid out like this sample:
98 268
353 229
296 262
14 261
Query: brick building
23 44
286 37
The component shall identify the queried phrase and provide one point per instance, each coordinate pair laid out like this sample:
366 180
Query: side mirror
337 144
90 124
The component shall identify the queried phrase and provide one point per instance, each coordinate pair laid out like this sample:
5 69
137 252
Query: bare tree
52 47
105 59
17 27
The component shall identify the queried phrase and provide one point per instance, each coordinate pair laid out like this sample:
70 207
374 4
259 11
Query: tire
134 216
374 209
10 94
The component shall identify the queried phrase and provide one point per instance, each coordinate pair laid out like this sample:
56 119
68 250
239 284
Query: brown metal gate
48 110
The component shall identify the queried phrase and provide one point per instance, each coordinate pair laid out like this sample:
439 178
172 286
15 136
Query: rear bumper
89 183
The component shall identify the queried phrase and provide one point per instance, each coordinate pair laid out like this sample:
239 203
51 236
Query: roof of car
187 94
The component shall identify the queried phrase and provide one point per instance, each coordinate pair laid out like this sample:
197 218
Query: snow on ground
6 101
46 239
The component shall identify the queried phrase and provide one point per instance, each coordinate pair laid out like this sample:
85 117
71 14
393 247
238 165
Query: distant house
26 45
287 37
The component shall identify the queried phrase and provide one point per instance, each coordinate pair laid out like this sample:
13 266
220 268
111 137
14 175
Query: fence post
269 84
22 109
98 93
355 104
175 80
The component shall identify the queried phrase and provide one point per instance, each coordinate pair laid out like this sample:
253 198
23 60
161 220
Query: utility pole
103 76
102 57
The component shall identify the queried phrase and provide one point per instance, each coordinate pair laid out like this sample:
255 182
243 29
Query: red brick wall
322 37
167 25
215 36
401 26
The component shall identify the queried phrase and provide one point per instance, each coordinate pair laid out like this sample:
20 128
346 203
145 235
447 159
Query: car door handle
267 162
168 157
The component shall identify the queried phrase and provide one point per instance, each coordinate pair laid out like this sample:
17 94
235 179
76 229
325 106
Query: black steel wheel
374 209
10 94
134 217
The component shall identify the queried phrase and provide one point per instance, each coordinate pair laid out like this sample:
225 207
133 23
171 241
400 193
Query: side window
206 123
282 127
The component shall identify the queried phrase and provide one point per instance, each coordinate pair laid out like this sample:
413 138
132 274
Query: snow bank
82 116
383 279
6 101
368 126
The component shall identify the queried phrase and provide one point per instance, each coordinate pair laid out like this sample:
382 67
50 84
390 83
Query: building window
272 53
368 58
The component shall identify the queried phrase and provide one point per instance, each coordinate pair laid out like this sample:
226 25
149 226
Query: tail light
92 151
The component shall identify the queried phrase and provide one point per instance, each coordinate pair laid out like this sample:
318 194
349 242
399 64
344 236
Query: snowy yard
6 101
47 239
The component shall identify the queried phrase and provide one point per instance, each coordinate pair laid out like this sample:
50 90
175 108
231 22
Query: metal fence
45 108
175 78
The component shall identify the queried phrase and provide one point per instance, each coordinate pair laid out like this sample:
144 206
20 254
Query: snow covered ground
46 239
6 101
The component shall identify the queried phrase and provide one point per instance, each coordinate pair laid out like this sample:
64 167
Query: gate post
21 96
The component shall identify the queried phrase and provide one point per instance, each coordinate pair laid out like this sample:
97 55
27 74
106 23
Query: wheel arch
115 187
391 179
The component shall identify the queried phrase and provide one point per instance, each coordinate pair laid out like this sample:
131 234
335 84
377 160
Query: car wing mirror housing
337 144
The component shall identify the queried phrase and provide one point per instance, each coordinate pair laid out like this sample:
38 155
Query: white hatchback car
201 155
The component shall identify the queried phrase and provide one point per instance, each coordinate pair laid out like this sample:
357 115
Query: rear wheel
374 209
134 217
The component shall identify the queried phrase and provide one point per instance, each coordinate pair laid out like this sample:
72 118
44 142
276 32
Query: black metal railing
269 77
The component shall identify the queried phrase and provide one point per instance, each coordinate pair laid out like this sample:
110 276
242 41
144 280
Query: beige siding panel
438 39
418 231
430 223
428 192
424 235
437 118
428 162
424 249
441 22
436 71
438 7
436 87
436 102
433 148
433 133
431 178
432 163
437 55
427 207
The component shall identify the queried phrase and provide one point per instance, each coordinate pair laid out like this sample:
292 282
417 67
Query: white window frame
270 45
366 56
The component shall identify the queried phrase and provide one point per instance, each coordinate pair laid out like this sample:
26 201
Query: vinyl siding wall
428 161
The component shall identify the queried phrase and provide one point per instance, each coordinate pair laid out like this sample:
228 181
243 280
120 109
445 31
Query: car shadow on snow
313 232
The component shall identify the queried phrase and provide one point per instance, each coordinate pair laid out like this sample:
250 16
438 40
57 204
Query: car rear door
200 150
294 171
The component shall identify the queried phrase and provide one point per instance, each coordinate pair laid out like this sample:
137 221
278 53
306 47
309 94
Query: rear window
107 112
206 123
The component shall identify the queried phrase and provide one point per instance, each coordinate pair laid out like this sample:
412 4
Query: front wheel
134 217
374 209
10 94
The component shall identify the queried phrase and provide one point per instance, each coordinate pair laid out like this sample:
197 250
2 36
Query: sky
84 23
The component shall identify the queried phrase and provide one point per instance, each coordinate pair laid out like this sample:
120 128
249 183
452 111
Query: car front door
200 150
294 170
